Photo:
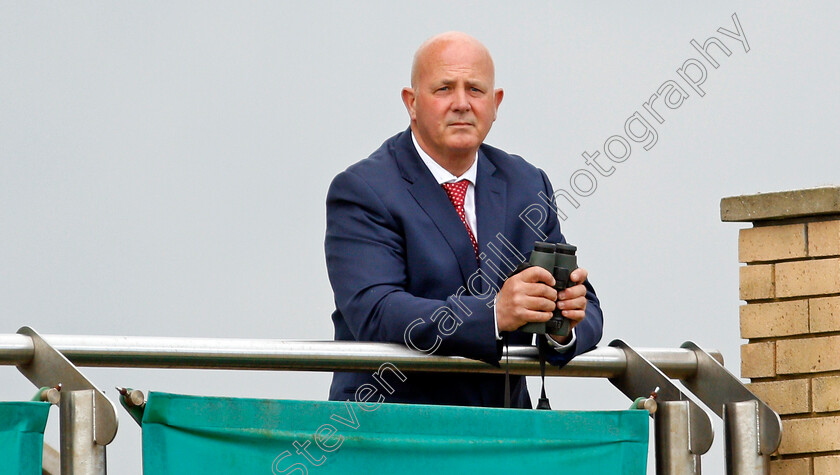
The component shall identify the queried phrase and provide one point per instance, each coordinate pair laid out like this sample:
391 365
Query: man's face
452 103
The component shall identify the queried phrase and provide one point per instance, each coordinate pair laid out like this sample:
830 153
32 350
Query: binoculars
560 260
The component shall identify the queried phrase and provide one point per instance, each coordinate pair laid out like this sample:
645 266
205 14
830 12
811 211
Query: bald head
451 42
452 102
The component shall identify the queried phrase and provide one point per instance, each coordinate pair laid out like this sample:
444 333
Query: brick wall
791 319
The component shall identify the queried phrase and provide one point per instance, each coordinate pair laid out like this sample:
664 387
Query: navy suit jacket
403 269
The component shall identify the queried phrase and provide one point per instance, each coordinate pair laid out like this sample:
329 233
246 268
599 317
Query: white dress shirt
442 176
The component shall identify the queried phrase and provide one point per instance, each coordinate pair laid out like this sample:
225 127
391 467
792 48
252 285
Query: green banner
22 436
191 434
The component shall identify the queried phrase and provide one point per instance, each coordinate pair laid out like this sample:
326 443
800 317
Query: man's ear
408 100
498 95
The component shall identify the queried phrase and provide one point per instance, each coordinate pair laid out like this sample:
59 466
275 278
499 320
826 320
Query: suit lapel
431 197
491 207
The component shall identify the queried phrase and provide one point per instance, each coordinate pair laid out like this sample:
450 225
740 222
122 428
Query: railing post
682 430
753 431
742 426
50 368
79 452
672 440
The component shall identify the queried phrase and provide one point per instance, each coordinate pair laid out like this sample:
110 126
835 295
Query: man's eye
443 88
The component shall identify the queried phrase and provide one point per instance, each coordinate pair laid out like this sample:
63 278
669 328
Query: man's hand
572 302
527 297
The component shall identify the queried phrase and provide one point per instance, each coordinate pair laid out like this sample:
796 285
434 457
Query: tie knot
456 192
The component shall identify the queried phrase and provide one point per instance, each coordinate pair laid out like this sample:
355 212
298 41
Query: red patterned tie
456 193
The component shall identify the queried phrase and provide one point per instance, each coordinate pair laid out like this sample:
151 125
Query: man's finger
573 304
575 315
534 316
572 292
579 275
538 289
536 274
538 304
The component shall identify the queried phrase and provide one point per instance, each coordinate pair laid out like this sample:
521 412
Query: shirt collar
441 174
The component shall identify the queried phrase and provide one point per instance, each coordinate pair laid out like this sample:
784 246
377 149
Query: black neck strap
542 347
507 372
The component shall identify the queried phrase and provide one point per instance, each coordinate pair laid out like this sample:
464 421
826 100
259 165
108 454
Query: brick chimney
791 319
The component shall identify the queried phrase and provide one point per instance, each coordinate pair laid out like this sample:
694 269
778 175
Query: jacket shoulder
379 174
381 163
509 163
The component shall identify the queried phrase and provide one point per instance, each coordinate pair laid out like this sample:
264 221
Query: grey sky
163 166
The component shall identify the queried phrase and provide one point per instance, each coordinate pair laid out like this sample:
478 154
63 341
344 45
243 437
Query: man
421 234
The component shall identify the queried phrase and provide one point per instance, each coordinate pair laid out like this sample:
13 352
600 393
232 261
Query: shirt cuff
495 319
559 347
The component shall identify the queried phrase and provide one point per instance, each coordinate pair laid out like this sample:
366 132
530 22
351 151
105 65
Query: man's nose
461 100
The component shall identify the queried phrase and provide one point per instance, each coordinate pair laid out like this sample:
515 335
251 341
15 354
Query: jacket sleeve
589 331
366 263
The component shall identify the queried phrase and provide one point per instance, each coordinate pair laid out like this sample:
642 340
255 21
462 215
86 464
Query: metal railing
298 355
682 430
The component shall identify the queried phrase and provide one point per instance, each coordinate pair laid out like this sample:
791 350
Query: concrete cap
781 205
